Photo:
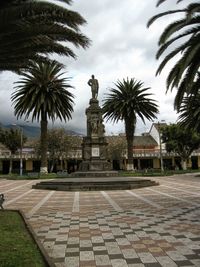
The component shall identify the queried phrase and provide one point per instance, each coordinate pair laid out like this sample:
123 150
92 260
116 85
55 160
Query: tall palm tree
125 102
32 30
181 38
42 94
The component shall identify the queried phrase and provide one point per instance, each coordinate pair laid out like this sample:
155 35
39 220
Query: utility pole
21 147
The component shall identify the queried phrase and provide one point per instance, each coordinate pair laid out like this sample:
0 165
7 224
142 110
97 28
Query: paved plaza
151 227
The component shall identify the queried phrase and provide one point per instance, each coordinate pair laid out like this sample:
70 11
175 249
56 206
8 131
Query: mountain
33 131
29 131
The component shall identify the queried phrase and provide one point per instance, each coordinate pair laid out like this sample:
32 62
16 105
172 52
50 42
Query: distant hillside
33 131
29 131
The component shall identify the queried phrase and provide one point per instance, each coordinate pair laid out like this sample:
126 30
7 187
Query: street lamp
21 145
160 144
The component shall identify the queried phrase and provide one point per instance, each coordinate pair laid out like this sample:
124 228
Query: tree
59 145
183 33
56 145
42 94
117 148
125 102
32 30
180 141
11 139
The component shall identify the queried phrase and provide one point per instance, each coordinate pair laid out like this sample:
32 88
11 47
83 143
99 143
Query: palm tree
42 94
31 30
125 102
185 34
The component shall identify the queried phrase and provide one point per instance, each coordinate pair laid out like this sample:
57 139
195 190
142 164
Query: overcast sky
122 46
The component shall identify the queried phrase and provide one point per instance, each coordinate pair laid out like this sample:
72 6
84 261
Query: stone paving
151 227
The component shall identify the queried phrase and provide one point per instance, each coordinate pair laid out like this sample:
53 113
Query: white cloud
121 47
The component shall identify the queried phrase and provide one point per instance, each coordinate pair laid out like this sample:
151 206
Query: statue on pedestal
93 83
94 146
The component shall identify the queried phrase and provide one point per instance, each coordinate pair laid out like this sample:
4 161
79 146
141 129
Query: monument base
95 165
89 174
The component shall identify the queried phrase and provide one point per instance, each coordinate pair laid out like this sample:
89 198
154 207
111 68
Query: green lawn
17 248
148 172
31 176
153 172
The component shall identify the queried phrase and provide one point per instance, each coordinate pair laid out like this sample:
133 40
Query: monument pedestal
95 165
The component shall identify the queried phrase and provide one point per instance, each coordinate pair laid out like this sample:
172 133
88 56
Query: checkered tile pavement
151 227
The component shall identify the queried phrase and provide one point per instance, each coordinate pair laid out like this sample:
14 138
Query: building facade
148 153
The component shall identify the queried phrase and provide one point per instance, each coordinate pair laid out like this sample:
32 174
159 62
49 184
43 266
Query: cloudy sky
122 46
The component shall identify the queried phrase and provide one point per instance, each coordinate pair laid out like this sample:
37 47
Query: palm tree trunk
61 164
52 165
129 129
44 146
184 164
11 165
129 165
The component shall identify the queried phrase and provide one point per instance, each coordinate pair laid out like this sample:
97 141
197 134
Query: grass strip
17 248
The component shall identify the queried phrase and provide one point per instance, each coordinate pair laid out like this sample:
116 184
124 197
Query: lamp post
160 144
21 145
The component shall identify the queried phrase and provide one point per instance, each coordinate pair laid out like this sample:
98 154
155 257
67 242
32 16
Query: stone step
93 185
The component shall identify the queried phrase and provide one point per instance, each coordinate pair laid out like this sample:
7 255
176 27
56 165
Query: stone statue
93 83
101 128
94 124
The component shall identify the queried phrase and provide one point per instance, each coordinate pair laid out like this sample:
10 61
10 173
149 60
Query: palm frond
163 47
39 28
154 18
183 74
162 1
